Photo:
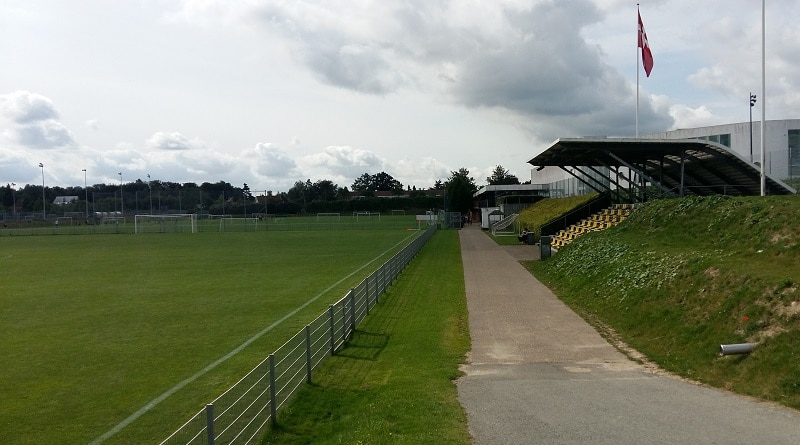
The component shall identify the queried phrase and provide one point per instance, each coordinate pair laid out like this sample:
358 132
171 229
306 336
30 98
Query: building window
794 153
725 139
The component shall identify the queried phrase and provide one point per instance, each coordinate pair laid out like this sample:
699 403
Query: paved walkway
539 374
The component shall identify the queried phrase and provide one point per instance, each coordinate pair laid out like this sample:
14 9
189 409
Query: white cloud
23 107
421 173
415 88
271 162
168 141
687 117
343 161
32 121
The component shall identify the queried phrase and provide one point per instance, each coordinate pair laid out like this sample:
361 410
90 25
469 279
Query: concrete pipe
738 348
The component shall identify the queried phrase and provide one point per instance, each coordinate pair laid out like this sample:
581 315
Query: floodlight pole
44 202
14 198
150 187
752 104
85 194
763 96
121 201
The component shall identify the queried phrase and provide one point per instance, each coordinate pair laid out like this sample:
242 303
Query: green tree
501 176
363 183
299 192
325 190
379 182
384 182
459 189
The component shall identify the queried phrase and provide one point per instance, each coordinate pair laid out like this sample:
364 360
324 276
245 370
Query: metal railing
562 222
243 412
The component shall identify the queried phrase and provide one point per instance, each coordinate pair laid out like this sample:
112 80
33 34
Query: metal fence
243 412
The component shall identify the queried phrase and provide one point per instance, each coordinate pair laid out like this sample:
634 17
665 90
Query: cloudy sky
268 92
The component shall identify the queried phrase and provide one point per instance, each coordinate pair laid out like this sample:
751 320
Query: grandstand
602 220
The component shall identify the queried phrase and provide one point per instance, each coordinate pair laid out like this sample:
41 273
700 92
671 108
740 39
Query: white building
782 142
781 157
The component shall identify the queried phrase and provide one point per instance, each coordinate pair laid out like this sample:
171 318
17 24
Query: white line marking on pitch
182 384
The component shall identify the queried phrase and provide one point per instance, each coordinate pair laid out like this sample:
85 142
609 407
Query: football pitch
94 328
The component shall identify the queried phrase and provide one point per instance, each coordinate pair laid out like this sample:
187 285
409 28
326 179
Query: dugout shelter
643 167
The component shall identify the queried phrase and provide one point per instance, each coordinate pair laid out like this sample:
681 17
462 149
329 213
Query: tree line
369 192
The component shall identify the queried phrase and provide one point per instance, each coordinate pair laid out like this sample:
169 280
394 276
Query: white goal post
178 222
367 215
238 224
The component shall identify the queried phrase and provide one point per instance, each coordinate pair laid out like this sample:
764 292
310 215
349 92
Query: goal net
64 221
184 222
231 224
329 217
367 216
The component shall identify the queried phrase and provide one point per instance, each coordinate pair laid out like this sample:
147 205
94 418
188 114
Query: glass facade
794 153
722 139
573 187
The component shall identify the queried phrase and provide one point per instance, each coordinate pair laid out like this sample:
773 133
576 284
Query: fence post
366 293
383 271
377 294
272 406
333 329
352 310
210 423
344 322
308 353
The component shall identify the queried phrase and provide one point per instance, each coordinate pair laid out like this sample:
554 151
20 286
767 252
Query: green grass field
393 382
94 327
77 226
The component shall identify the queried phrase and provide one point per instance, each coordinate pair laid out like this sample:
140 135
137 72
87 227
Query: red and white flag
647 56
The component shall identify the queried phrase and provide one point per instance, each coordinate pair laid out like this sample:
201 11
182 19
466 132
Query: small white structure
489 216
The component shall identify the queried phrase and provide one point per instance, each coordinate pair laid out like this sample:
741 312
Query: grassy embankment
393 382
544 211
682 276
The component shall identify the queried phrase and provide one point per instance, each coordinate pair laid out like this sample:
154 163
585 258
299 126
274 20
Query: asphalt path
539 374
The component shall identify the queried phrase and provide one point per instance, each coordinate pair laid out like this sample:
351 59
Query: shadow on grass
364 345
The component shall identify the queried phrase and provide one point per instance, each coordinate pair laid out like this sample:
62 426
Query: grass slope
548 209
393 383
682 276
95 327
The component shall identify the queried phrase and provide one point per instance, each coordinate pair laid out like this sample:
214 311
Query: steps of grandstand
602 220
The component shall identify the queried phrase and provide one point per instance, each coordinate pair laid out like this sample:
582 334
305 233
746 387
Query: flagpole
763 97
638 31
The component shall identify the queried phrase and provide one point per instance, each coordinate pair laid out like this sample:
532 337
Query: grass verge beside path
394 381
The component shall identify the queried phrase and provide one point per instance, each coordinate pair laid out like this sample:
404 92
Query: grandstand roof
676 166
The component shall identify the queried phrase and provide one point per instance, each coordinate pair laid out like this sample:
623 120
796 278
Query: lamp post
44 203
85 194
150 187
121 200
752 104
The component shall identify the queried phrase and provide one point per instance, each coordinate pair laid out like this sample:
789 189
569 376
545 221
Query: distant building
63 200
782 143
